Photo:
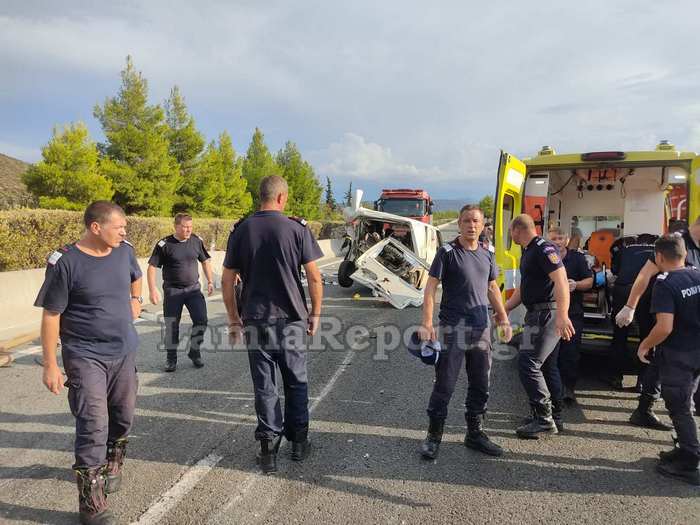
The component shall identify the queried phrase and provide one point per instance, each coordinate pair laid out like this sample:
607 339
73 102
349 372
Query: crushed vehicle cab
388 253
600 198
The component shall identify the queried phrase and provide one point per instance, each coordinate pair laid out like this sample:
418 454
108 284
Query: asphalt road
191 452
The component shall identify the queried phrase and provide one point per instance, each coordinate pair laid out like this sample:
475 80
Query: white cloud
354 158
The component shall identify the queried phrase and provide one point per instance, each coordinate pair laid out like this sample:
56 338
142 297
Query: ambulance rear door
509 193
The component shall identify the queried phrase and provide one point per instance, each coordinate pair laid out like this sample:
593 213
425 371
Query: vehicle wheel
346 269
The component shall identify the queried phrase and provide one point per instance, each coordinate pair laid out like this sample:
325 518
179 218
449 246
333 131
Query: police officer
676 303
468 274
178 254
91 296
637 304
544 290
268 250
580 279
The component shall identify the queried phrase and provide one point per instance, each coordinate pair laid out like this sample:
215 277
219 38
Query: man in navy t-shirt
676 303
267 251
91 296
468 274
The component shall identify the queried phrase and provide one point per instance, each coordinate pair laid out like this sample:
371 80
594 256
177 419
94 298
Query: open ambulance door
694 190
509 193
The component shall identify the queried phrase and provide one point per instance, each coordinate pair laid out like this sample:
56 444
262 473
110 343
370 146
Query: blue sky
384 94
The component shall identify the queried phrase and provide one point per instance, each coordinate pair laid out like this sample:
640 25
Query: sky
383 94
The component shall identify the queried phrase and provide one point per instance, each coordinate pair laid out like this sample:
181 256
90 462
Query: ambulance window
508 206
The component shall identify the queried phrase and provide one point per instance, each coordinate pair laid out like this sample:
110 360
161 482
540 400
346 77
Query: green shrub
28 236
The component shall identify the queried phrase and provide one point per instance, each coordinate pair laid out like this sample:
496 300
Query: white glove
624 316
572 285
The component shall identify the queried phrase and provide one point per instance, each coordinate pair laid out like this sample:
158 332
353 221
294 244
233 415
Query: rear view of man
178 255
268 250
676 303
90 296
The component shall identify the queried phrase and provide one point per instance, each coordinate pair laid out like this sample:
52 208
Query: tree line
155 162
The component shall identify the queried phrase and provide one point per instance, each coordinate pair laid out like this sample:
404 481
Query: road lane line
184 485
249 482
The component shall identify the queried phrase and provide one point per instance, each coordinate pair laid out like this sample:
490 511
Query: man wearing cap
468 274
544 290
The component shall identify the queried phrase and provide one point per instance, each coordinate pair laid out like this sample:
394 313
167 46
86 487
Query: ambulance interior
599 206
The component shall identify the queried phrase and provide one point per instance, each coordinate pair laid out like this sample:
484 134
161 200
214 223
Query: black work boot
267 457
541 424
196 358
477 439
116 452
170 365
557 413
684 467
92 499
431 445
643 416
301 449
668 456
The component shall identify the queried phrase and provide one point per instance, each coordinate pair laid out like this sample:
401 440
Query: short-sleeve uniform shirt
538 260
465 276
93 296
577 269
268 249
179 260
678 293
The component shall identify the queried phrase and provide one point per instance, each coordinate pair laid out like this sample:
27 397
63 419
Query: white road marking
249 482
186 483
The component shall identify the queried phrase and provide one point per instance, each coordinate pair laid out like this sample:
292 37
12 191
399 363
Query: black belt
538 307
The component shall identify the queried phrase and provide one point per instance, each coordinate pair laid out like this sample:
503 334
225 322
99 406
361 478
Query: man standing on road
544 290
91 296
468 274
643 415
580 279
268 250
178 254
676 303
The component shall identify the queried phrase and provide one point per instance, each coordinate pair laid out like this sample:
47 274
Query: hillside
13 192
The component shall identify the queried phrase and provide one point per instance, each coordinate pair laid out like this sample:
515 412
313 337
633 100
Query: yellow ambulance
598 197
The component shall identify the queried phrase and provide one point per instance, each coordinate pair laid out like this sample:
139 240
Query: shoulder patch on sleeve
161 243
300 220
54 257
662 276
553 258
448 248
198 237
541 242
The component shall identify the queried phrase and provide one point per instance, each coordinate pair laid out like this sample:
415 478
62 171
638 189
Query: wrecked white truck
388 254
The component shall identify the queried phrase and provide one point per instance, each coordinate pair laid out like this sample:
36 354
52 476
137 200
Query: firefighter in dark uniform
544 290
468 274
91 296
178 255
580 279
637 304
676 303
268 250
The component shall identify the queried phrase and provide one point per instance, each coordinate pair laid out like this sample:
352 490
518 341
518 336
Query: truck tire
346 269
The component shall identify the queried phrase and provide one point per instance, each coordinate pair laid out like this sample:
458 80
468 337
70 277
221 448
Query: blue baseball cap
427 351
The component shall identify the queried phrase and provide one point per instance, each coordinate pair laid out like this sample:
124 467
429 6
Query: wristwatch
138 298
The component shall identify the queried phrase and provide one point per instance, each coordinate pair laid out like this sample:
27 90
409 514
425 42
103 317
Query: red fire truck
415 204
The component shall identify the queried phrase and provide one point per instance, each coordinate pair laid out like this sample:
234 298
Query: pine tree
186 142
304 189
348 196
137 158
486 205
217 187
330 199
68 175
257 165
